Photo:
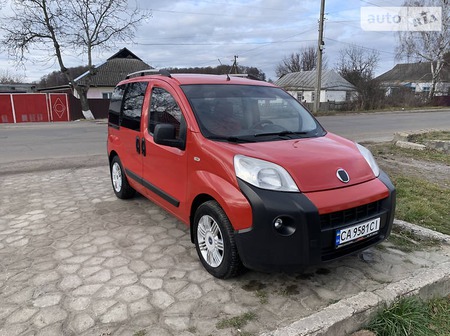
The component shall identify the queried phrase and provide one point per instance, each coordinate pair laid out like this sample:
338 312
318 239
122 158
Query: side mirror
165 134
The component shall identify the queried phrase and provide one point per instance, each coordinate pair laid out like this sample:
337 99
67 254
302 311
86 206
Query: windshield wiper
282 133
236 139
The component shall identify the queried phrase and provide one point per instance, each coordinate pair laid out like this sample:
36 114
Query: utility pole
234 66
320 45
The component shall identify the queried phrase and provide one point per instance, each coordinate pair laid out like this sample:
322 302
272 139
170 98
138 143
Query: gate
33 107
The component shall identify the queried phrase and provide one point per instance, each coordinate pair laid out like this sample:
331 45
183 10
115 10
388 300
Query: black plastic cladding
262 248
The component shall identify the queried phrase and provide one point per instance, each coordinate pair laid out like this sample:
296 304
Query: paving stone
124 280
13 330
21 296
47 300
48 316
109 267
116 262
132 293
71 281
177 323
191 292
81 323
117 313
152 283
21 315
78 303
86 290
161 299
107 291
140 306
99 277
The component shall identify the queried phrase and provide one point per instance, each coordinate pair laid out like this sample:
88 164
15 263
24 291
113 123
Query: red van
258 180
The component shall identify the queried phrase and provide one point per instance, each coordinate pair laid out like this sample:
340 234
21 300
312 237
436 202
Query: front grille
346 217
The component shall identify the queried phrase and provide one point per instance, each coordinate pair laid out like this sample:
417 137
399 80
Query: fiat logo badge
342 175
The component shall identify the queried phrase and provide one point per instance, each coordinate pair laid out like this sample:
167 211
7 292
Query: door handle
143 147
138 145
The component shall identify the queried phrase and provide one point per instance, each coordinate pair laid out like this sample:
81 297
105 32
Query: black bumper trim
263 248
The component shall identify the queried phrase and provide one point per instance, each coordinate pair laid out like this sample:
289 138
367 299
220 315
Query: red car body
271 229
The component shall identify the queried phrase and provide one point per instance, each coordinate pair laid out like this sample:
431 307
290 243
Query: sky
201 33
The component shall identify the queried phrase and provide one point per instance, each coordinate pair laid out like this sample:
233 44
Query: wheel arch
111 156
198 200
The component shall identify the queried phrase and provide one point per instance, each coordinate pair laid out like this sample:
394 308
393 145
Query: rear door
164 167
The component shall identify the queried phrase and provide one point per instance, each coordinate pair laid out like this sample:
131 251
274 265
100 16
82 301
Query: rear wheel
214 241
119 180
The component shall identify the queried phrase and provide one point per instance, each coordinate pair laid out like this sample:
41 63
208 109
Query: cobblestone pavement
75 260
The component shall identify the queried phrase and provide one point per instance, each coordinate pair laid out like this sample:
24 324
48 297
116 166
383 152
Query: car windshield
240 113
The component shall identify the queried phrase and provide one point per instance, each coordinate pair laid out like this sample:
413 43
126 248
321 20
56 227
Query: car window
165 110
249 111
132 105
115 104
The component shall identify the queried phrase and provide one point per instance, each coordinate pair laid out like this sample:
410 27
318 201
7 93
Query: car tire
119 181
214 241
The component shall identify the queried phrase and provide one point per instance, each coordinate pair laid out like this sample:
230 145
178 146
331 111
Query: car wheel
119 180
214 241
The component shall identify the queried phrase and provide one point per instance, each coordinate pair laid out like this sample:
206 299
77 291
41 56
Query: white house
334 88
111 72
417 77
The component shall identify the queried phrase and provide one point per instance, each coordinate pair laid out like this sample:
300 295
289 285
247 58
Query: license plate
352 233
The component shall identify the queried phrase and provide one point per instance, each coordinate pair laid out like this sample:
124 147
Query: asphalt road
43 146
380 127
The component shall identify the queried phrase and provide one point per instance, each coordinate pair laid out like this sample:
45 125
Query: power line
360 46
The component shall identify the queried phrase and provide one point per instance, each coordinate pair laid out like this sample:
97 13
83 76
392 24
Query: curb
349 315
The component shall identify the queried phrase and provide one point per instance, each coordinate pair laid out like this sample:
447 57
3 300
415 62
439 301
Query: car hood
313 162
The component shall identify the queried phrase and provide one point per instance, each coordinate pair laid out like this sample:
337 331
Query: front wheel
119 180
214 241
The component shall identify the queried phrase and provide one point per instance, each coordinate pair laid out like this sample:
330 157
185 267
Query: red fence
33 107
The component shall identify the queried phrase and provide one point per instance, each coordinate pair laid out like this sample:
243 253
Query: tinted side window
165 110
132 105
114 106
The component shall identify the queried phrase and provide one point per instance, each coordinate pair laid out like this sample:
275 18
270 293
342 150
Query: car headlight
263 174
370 159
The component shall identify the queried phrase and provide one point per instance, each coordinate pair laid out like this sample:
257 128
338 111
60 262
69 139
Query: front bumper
265 248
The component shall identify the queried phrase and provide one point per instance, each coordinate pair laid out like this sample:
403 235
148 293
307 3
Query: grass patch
389 150
236 322
436 135
419 199
440 311
411 316
140 333
407 241
408 316
422 203
262 296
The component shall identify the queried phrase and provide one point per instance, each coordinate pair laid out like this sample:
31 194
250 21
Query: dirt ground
434 172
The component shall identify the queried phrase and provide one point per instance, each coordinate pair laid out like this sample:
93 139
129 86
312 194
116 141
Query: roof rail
244 75
162 72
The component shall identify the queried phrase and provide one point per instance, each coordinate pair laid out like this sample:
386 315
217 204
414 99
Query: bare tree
430 46
7 78
357 65
304 60
68 27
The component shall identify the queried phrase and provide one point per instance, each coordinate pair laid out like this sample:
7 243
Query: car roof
185 79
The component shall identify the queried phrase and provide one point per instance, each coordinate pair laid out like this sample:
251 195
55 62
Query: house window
106 95
426 89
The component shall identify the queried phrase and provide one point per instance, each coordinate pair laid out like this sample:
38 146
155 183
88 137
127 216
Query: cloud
189 33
